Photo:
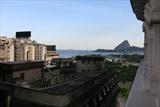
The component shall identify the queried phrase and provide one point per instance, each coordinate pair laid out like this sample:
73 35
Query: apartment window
22 76
3 77
88 62
61 78
83 70
83 61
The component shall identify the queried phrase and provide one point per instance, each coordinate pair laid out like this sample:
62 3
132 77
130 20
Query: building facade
6 49
145 91
24 50
87 64
20 72
24 47
40 51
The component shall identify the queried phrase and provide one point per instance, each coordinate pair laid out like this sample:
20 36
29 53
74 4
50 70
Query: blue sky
72 24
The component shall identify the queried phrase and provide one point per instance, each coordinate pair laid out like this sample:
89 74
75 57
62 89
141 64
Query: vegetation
130 58
127 73
127 66
125 89
124 92
133 58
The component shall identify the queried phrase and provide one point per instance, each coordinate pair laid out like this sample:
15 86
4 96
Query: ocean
73 53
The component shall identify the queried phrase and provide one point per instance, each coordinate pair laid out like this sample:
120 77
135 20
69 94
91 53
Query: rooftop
16 66
71 85
90 58
23 34
63 59
51 47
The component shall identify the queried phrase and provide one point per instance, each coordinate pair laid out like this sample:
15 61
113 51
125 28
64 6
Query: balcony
140 96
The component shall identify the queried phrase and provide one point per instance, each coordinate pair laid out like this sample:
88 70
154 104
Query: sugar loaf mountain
123 47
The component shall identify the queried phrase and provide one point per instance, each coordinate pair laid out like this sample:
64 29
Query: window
88 62
3 77
22 76
83 70
83 61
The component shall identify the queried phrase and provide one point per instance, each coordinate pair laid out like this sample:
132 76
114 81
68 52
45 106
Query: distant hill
123 47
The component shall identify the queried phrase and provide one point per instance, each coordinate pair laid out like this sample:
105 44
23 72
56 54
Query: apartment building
24 47
6 49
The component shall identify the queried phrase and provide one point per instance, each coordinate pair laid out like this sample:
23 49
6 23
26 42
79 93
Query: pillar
152 47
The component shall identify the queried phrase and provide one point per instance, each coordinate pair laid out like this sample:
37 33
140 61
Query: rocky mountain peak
123 46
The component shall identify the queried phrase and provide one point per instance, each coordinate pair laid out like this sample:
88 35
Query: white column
152 50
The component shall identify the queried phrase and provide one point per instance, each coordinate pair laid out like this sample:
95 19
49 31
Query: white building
26 49
6 49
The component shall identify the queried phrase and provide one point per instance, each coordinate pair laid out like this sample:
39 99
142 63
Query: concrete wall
146 88
42 98
29 75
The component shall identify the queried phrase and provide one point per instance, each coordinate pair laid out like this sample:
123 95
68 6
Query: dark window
22 76
83 70
95 62
3 77
88 62
83 61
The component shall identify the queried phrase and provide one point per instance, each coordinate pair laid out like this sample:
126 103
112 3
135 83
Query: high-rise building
6 49
24 47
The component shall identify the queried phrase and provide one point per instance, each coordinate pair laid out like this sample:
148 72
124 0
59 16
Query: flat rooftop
20 65
90 58
26 34
19 62
71 85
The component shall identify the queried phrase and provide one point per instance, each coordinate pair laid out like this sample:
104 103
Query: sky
72 24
